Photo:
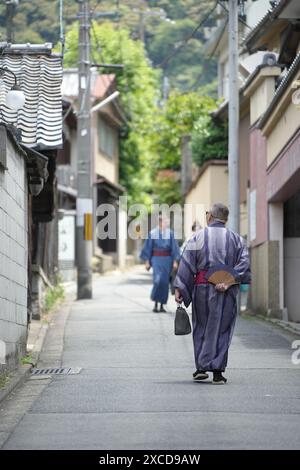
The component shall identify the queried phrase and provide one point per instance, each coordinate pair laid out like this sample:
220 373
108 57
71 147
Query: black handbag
182 322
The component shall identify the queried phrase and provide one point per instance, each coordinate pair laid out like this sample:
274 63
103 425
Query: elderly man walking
214 307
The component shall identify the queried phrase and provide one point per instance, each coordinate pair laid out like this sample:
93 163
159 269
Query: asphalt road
135 389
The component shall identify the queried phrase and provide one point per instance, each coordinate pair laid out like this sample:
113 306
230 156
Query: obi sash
161 253
200 277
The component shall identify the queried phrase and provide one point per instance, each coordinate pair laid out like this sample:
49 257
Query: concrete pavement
135 389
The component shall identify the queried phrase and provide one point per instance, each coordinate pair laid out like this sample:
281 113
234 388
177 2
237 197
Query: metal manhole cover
56 371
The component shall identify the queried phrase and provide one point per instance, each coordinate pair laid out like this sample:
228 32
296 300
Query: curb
38 345
284 327
19 376
22 373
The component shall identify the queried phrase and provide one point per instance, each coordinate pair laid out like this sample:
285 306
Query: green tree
177 9
35 21
177 119
137 84
209 139
187 68
166 189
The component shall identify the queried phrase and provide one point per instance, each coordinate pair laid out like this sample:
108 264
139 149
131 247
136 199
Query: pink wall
258 181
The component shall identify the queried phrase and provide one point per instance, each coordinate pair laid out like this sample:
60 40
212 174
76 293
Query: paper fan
222 274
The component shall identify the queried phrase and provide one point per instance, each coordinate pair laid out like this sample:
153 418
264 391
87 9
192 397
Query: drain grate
56 371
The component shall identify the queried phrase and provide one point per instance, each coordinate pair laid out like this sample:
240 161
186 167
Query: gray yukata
213 313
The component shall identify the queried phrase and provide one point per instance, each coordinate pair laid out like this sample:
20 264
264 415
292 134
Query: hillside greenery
148 37
165 24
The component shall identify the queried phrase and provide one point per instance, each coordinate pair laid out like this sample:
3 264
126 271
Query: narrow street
135 389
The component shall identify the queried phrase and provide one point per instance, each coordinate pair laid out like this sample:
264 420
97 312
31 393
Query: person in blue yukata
214 307
161 252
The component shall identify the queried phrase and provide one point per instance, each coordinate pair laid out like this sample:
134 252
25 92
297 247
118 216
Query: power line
97 4
187 38
239 18
99 49
197 81
144 66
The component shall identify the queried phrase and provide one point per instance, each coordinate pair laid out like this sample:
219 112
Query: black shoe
155 310
162 309
218 378
200 375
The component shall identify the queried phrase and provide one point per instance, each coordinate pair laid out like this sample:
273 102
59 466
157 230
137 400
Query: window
291 217
107 138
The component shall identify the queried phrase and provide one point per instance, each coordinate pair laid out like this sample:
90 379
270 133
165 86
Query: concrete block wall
13 257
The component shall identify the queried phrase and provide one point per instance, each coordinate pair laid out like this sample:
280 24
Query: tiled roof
39 76
223 108
262 25
103 84
115 187
36 163
100 84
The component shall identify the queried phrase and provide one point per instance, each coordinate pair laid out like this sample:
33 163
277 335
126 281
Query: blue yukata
213 313
161 250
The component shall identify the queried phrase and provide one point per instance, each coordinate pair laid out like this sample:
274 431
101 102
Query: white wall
13 255
211 187
256 10
66 246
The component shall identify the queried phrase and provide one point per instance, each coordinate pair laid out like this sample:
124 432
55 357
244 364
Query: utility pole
233 148
186 164
142 27
10 11
166 88
84 182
